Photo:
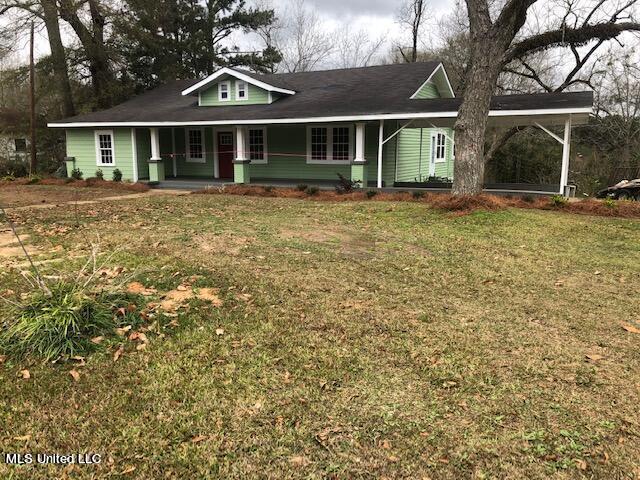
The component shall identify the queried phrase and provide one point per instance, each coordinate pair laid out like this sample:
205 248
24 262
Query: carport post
566 152
380 146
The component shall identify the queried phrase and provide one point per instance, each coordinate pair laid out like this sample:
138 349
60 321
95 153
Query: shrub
117 175
312 190
371 193
57 325
417 194
302 187
99 174
33 179
609 203
13 167
345 185
527 198
558 201
8 178
76 174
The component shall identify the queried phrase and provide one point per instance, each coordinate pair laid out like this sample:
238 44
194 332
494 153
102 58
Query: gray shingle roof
378 90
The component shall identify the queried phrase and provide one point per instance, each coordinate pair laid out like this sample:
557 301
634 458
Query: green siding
81 145
414 154
186 168
428 90
256 95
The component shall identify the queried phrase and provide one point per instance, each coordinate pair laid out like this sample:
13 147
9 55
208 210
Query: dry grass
364 339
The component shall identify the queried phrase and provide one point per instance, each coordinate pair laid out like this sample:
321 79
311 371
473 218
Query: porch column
380 150
241 164
156 167
359 163
566 152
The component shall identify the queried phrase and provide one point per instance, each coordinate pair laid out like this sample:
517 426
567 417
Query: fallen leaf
3 358
122 331
141 346
97 340
580 464
182 288
198 438
25 374
594 357
139 288
81 361
219 331
559 283
128 470
23 438
75 374
118 353
630 328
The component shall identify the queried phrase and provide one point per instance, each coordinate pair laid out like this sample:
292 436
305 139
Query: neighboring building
14 133
382 126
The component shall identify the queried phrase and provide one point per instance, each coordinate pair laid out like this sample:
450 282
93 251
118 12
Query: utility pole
32 105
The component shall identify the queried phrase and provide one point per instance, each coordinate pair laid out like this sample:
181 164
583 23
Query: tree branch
573 36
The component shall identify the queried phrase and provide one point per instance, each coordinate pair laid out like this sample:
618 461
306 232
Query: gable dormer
228 87
436 86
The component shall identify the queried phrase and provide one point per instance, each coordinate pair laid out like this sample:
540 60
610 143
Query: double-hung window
105 154
329 144
195 145
257 145
241 90
223 91
440 147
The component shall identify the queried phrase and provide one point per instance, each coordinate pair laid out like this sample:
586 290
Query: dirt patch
350 244
225 243
9 246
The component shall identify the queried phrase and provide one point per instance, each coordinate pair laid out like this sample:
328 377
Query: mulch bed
457 205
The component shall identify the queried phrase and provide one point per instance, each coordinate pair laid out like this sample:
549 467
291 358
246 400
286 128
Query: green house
381 126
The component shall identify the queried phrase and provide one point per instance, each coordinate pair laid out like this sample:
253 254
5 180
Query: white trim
321 120
329 160
155 143
96 138
270 96
246 91
265 158
566 152
134 154
551 134
380 151
226 83
428 80
216 160
234 73
442 131
187 155
241 143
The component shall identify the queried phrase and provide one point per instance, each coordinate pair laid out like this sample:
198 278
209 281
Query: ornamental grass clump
58 323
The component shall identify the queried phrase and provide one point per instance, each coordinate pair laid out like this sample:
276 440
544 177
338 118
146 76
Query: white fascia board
349 118
238 75
446 77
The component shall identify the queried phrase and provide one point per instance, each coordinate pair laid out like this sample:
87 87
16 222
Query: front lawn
357 339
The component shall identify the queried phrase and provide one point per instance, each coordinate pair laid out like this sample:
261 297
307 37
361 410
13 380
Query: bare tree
494 44
301 39
356 49
411 14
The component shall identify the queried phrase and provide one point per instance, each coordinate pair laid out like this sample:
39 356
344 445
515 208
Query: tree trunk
50 13
471 124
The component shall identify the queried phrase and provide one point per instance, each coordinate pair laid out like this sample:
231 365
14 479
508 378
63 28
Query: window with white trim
256 145
440 146
329 144
195 145
241 90
105 155
223 91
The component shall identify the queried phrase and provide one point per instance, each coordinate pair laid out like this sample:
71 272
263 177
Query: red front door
225 154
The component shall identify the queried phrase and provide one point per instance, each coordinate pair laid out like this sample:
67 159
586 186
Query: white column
566 152
240 143
359 143
155 144
380 149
